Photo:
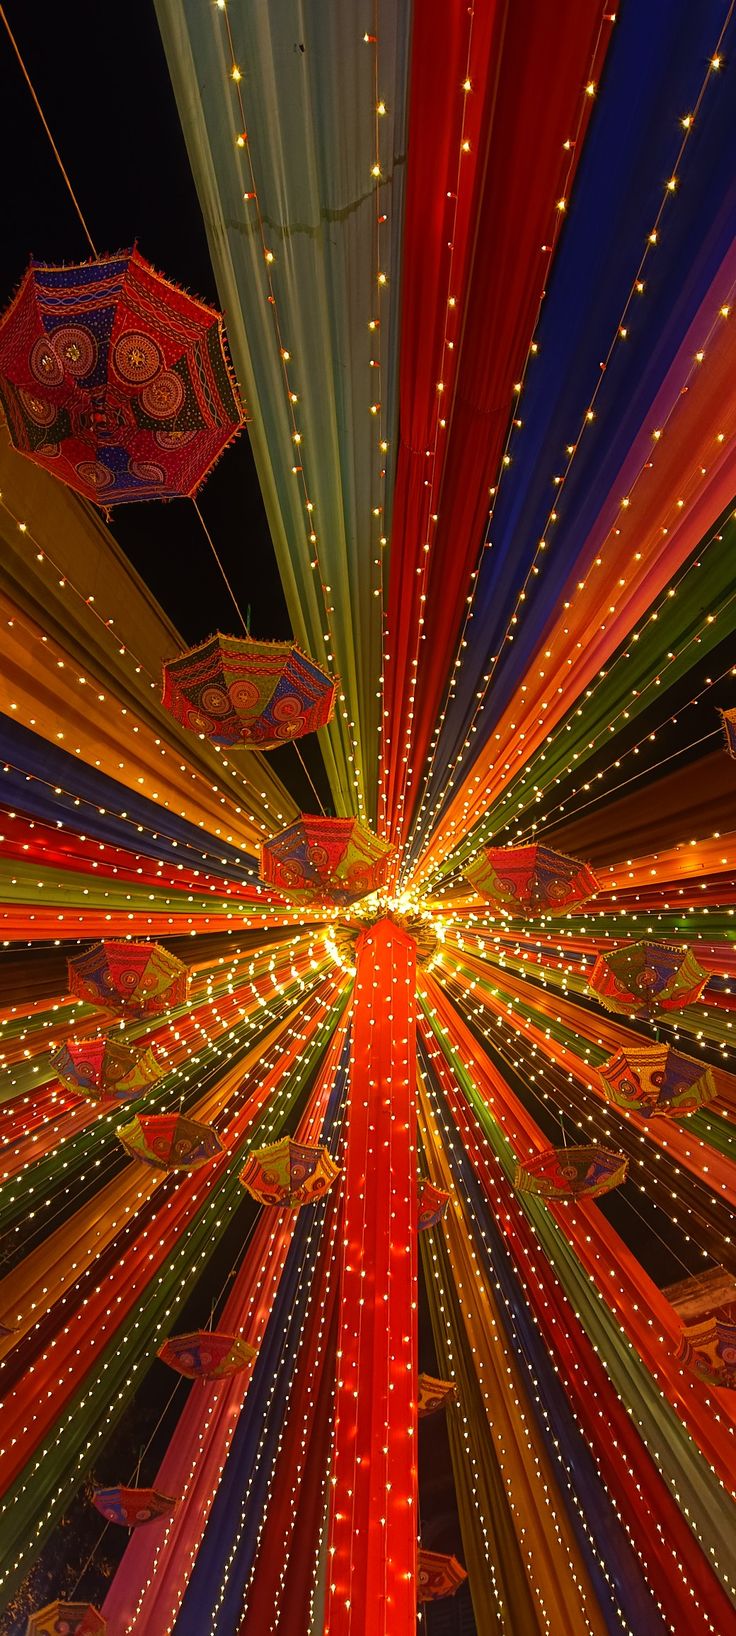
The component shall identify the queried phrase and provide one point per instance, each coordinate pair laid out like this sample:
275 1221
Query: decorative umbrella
238 691
116 381
132 1507
433 1202
645 977
105 1070
728 722
656 1080
706 1307
709 1351
169 1141
140 979
571 1172
325 860
433 1394
206 1354
67 1619
531 879
438 1576
289 1173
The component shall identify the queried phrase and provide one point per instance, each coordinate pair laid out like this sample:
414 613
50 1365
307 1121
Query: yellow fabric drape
547 1557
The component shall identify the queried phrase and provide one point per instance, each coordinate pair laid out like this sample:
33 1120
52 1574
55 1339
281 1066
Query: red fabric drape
479 227
285 1565
373 1507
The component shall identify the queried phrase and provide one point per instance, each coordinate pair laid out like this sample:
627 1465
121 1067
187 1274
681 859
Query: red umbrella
73 1618
645 977
433 1202
106 1070
289 1173
531 879
116 381
238 691
438 1576
141 979
132 1507
728 722
169 1141
656 1080
325 860
571 1172
433 1394
206 1354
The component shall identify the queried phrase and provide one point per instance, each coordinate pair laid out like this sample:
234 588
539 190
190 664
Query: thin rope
243 622
213 549
315 792
47 129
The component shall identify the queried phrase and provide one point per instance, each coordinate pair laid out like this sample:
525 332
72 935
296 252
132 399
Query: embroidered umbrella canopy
132 1507
169 1141
438 1576
433 1394
236 690
645 977
206 1354
325 860
433 1202
656 1080
115 380
530 879
66 1619
139 979
571 1172
105 1070
728 722
709 1351
289 1173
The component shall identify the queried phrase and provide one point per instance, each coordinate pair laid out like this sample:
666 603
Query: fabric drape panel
283 1577
550 1582
221 1571
491 1550
311 118
530 69
373 1502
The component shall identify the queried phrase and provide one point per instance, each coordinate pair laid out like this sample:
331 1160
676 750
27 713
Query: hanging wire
244 624
213 549
47 129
